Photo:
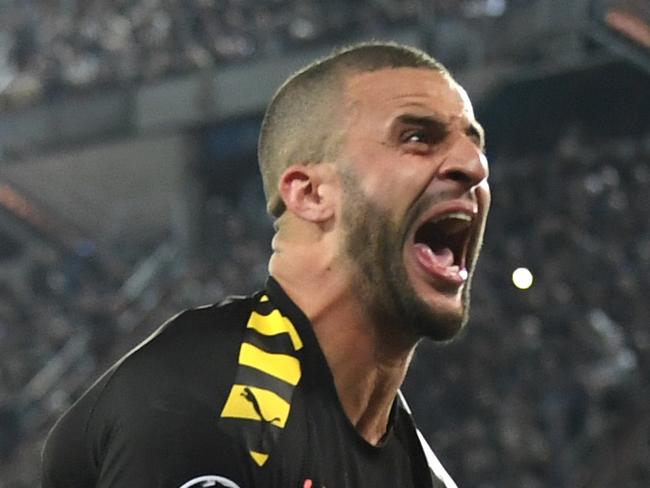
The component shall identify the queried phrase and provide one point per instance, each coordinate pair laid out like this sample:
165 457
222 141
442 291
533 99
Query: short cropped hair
299 121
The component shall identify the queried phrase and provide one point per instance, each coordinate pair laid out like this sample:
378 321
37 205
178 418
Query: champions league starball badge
209 481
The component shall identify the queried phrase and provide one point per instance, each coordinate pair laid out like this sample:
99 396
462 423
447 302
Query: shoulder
221 320
160 401
196 348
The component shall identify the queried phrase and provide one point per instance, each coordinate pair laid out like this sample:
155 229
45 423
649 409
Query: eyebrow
473 130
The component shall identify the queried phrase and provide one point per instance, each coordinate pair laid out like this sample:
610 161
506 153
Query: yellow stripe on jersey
274 324
258 366
282 366
259 457
242 401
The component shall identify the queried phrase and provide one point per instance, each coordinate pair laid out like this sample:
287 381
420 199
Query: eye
422 139
416 136
421 136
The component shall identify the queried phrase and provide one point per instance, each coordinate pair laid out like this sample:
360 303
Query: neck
368 366
368 360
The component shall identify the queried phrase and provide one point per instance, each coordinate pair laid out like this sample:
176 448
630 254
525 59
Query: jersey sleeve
66 459
152 421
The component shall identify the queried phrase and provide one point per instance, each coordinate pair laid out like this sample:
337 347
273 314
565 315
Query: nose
464 163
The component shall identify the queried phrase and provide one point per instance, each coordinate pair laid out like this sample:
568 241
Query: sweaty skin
345 250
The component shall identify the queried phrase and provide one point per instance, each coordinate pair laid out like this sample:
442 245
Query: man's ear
306 190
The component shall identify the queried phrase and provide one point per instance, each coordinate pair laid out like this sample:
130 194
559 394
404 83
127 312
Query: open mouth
441 245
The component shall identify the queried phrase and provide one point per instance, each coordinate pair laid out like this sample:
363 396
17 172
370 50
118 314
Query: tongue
441 257
444 256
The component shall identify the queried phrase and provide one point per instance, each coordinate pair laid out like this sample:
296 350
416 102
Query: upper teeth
453 215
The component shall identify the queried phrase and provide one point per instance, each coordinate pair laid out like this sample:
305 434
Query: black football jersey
238 395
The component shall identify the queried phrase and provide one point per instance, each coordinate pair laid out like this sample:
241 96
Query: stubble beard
374 245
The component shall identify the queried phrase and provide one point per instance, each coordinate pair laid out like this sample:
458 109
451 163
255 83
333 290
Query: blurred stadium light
624 27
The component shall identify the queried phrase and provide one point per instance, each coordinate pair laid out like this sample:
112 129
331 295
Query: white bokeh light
522 278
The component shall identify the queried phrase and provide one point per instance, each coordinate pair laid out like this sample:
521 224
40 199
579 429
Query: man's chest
320 448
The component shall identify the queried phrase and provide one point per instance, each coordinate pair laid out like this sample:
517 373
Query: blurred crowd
52 45
49 47
548 387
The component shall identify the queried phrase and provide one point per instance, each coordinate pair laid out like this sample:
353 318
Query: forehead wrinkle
423 102
418 103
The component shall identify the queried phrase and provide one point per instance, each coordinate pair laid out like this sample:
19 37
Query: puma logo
250 396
